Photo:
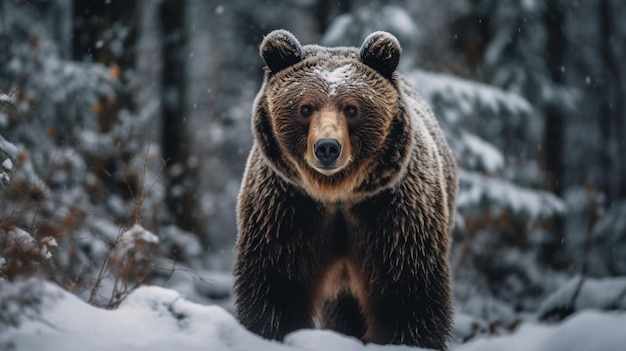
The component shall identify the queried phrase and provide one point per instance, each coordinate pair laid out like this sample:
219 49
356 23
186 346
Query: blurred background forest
125 125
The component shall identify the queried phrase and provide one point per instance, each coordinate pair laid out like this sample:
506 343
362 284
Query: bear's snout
327 150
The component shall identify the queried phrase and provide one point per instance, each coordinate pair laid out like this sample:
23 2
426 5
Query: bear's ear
280 49
381 51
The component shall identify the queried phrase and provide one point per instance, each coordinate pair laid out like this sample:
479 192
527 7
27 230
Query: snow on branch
466 98
8 151
478 154
477 190
590 293
482 123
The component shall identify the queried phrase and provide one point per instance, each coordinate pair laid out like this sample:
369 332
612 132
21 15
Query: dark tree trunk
173 93
611 118
556 48
175 147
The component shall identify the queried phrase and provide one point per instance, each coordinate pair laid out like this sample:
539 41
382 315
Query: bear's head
331 120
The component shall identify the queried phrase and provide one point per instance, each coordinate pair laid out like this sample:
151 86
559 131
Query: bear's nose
327 150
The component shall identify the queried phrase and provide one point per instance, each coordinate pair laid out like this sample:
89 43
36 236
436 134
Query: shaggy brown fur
359 242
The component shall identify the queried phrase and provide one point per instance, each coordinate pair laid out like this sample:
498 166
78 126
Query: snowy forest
125 128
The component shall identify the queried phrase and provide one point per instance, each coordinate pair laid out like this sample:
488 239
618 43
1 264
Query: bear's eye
351 111
306 110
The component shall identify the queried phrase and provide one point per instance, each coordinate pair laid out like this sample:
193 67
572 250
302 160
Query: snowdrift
155 319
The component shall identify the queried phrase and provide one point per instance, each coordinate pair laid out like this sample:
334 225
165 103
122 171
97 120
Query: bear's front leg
409 314
276 259
405 272
269 303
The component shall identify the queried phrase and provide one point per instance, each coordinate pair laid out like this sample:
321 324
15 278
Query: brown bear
347 202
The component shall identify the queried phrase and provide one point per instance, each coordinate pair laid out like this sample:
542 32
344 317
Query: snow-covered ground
154 318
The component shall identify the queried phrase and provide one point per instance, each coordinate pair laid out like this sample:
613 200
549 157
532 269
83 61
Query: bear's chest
340 232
